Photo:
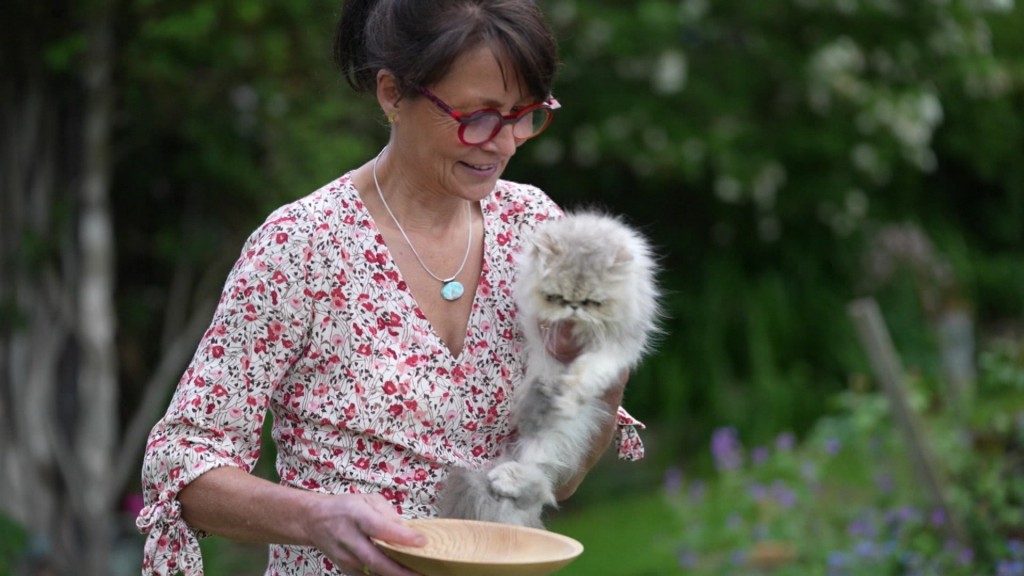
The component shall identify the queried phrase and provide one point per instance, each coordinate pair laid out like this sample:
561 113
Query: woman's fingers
387 525
349 524
560 342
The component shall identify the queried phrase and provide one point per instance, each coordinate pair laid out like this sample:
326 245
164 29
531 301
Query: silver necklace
451 289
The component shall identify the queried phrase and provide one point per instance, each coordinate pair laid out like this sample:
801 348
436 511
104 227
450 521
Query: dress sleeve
216 415
630 446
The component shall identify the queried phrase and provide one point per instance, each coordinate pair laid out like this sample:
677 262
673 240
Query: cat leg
524 483
591 375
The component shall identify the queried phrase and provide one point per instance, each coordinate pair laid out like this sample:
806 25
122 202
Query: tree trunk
95 441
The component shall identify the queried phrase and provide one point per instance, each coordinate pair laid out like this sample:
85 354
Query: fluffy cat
597 274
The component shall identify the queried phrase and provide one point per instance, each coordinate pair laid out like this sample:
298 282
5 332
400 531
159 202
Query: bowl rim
575 547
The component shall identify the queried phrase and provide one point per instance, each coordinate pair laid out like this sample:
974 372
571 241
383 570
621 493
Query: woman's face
427 139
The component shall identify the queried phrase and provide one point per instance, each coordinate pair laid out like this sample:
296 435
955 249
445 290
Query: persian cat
596 273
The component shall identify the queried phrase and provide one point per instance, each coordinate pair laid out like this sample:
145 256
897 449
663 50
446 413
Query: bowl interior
469 547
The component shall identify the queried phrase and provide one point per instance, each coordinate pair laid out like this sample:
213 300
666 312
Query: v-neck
420 316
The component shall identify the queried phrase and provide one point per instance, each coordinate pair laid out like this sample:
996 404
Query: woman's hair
418 40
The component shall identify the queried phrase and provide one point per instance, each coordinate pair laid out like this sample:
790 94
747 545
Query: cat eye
595 303
480 127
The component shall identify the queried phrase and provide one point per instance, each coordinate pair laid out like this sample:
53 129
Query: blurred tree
59 400
140 142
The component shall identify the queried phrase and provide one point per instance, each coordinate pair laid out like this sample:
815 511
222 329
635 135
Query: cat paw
506 480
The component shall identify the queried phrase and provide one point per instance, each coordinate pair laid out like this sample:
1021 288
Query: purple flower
965 556
783 495
884 482
673 480
860 527
1015 548
726 449
687 559
866 549
833 446
836 561
938 517
697 490
1010 568
759 455
784 442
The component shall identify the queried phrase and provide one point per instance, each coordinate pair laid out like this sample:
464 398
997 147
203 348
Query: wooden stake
875 338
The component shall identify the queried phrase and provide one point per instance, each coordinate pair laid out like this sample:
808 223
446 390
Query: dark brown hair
418 40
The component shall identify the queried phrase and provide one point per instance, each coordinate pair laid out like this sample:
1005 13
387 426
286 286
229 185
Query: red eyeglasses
482 126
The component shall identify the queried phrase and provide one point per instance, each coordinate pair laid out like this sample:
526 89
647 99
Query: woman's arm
602 440
232 503
565 349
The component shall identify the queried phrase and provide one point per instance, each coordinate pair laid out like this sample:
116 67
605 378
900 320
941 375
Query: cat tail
507 492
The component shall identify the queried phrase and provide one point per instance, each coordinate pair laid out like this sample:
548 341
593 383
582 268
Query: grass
630 536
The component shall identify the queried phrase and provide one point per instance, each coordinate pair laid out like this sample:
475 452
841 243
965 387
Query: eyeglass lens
487 126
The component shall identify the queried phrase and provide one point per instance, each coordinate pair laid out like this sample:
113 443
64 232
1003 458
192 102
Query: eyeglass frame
464 120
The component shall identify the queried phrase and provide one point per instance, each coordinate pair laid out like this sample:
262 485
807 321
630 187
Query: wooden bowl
474 548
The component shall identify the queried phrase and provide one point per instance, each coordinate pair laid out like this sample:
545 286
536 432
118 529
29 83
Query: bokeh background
787 158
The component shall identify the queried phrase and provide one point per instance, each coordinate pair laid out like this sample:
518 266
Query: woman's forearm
603 439
232 503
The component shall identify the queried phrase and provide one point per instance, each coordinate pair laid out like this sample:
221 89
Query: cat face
596 273
580 278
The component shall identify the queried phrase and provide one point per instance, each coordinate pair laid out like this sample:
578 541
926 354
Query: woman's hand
560 342
235 504
342 528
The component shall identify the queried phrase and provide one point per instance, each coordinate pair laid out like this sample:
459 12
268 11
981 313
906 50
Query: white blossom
670 72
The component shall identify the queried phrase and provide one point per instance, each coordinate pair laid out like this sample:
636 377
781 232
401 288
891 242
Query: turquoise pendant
452 290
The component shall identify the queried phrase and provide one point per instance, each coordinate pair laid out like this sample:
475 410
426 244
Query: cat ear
623 256
546 244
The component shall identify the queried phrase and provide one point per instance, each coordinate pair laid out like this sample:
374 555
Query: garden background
787 157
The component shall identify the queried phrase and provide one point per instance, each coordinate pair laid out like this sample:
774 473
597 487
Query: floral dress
316 324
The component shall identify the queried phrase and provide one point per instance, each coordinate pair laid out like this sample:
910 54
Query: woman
373 318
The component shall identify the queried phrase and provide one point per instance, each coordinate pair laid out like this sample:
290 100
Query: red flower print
274 331
216 351
374 257
281 237
279 277
363 463
390 388
396 410
219 391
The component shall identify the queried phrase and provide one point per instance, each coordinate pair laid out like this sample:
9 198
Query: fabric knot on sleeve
172 547
630 445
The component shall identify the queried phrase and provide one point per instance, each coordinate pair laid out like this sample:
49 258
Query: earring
392 117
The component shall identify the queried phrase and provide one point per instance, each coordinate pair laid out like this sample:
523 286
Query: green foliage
227 110
763 145
12 544
846 502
